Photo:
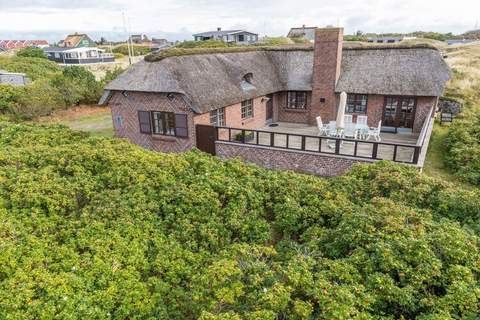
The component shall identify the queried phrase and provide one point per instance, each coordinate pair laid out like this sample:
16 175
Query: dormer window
248 78
247 82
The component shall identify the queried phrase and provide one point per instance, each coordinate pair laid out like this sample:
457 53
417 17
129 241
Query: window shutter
181 125
145 122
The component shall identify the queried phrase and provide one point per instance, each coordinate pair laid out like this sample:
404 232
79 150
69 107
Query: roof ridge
177 52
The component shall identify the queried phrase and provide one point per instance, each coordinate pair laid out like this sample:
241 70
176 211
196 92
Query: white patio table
362 130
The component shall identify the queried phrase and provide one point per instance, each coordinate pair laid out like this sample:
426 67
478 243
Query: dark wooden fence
398 152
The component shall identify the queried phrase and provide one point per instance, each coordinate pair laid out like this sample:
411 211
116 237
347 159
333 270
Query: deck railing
363 149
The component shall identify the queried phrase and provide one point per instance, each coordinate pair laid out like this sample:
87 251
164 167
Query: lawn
93 119
434 164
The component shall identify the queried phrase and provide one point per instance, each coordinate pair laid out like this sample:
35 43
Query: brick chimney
327 61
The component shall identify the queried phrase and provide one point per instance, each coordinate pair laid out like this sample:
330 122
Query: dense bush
96 228
112 75
78 86
204 44
9 97
138 50
463 146
51 87
463 138
31 52
34 68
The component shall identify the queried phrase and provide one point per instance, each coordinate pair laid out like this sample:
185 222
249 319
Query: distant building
230 36
160 47
302 32
157 41
389 39
20 44
139 38
39 43
82 55
15 79
460 41
77 40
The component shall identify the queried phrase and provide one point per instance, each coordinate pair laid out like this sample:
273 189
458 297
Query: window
163 123
248 77
356 103
296 100
217 117
247 109
241 38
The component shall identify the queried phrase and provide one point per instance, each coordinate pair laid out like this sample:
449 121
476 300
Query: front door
399 112
269 108
206 136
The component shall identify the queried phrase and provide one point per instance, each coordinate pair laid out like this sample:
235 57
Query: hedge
96 228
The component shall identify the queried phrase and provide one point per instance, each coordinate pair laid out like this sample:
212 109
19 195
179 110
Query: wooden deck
289 135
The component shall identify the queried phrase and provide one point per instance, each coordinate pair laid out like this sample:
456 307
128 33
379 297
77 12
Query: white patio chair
322 128
348 118
375 132
362 120
332 129
350 131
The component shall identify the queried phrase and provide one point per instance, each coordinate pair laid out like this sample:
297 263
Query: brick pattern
304 162
326 71
127 109
424 106
288 115
233 115
376 104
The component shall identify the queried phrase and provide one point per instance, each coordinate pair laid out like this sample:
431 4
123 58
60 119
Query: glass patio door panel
390 112
399 112
407 113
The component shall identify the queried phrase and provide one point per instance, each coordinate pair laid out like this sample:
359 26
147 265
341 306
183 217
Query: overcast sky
178 19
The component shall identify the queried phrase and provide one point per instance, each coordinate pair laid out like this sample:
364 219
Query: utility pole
128 38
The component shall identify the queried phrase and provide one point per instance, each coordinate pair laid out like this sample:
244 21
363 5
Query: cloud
178 18
26 5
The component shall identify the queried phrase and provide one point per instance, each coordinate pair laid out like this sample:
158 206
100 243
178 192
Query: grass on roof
176 52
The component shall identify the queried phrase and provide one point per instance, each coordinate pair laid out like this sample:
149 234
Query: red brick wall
233 116
305 162
127 108
289 115
326 71
376 103
424 106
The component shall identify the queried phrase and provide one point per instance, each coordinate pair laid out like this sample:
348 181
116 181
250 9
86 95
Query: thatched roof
214 80
399 71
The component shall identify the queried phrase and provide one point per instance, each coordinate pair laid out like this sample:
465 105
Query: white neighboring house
82 55
389 39
303 32
231 36
15 79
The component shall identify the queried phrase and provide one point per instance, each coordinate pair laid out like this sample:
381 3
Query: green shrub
31 52
9 97
96 228
279 41
78 86
118 55
38 99
204 44
138 50
112 75
34 68
463 146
